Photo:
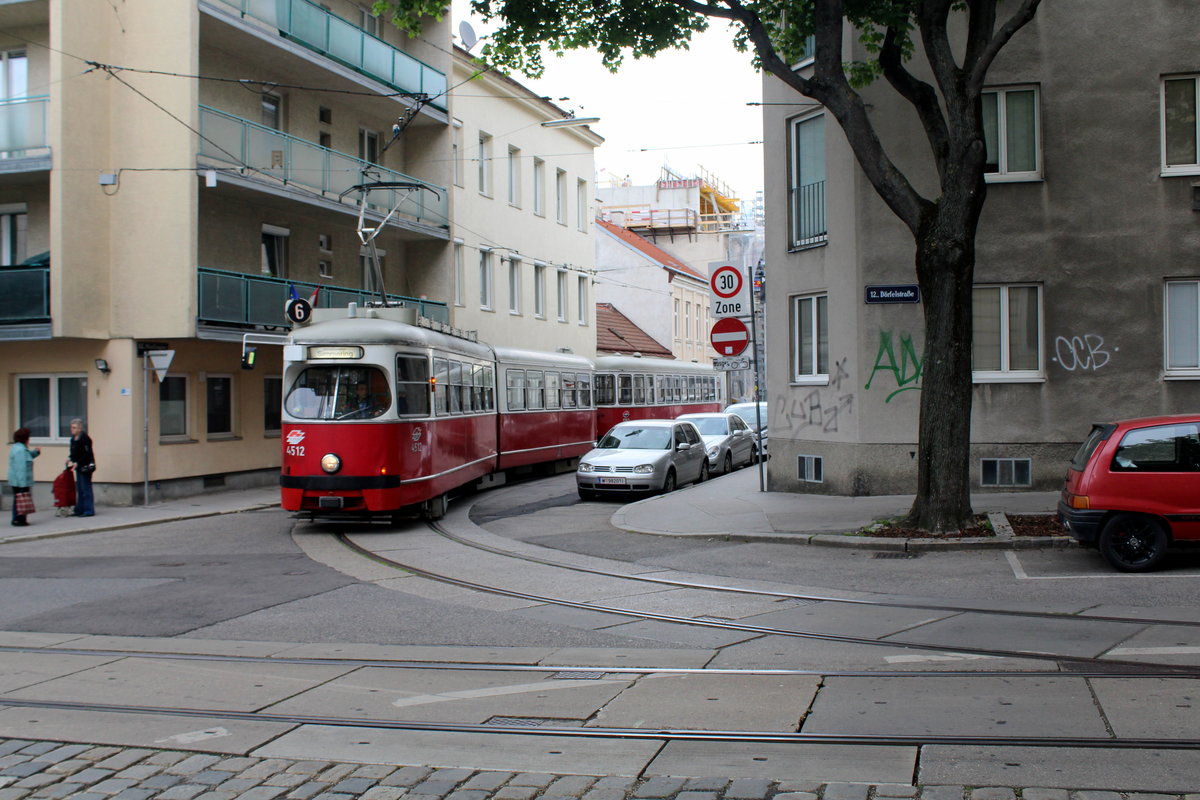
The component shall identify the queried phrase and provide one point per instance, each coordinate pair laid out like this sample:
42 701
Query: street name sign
902 293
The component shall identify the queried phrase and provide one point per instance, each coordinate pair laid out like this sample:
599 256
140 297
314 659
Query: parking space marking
1020 574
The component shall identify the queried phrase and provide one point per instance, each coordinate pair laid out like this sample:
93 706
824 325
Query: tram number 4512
294 449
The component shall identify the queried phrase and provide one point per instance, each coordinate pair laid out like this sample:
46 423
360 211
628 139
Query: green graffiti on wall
907 373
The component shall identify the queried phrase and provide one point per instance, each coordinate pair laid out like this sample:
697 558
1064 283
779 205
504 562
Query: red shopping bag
23 503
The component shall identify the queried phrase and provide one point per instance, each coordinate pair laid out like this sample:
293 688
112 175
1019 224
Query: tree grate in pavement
520 722
577 675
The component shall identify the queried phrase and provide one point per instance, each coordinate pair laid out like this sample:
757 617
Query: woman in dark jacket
83 460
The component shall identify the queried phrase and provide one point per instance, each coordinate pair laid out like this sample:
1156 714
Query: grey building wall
1100 232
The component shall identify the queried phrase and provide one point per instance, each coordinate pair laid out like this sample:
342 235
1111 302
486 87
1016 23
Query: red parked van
1133 489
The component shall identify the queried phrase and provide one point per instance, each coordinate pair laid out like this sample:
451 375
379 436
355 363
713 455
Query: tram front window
339 392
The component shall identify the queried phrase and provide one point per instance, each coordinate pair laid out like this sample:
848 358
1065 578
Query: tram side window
664 394
553 388
516 389
650 389
533 389
485 384
412 385
585 389
339 392
441 386
639 390
691 388
624 389
454 387
606 391
568 390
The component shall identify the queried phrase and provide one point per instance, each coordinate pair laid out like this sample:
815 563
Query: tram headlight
330 463
644 469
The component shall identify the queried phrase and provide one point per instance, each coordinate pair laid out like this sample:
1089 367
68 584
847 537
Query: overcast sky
686 109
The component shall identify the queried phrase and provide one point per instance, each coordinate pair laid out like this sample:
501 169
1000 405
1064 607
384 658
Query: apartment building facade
523 177
1087 298
172 172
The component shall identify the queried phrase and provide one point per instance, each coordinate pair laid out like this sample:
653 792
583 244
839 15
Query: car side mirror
681 446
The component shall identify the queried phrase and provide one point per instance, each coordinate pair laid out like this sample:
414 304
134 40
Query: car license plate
613 481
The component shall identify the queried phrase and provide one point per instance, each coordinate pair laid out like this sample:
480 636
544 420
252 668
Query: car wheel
669 482
754 455
1133 542
703 472
727 467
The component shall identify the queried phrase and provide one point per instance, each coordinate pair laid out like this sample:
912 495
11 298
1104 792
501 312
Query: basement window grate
1005 471
810 469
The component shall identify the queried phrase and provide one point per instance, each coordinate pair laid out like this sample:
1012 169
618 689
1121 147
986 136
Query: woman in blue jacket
20 474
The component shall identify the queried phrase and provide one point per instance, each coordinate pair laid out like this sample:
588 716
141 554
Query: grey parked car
752 418
728 440
645 455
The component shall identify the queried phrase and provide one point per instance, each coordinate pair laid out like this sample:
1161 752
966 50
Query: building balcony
263 155
244 301
24 303
323 32
24 146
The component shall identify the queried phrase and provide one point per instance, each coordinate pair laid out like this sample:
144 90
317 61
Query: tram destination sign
898 293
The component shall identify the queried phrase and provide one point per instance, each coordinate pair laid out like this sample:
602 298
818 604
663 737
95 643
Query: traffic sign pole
762 462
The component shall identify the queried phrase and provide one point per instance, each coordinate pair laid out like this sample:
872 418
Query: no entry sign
729 336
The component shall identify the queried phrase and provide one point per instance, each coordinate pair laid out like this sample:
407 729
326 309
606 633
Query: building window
218 404
459 273
806 182
810 339
172 406
370 278
560 196
1181 125
485 164
368 20
1010 132
14 223
676 319
514 176
514 286
456 152
272 404
539 187
274 259
562 296
485 280
368 146
325 255
1007 334
46 404
14 74
581 205
539 290
272 111
583 300
1183 327
325 140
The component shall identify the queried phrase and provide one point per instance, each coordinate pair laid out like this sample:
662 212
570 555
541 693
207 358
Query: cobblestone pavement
36 770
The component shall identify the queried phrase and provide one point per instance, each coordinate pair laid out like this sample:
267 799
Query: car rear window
1162 448
1099 434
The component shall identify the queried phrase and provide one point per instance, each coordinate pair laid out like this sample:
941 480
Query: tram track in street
1069 663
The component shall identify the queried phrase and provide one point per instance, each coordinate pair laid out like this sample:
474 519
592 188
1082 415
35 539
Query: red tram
382 415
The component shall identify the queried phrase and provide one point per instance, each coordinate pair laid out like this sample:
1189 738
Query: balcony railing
242 143
237 298
24 294
808 214
23 126
330 35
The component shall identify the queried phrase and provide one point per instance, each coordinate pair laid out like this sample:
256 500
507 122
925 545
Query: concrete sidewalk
733 505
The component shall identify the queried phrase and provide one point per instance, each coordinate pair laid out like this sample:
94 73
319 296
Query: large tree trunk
945 271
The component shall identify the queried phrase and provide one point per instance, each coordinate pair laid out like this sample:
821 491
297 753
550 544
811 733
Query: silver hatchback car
645 455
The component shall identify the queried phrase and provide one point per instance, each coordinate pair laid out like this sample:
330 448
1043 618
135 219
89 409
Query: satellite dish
466 35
